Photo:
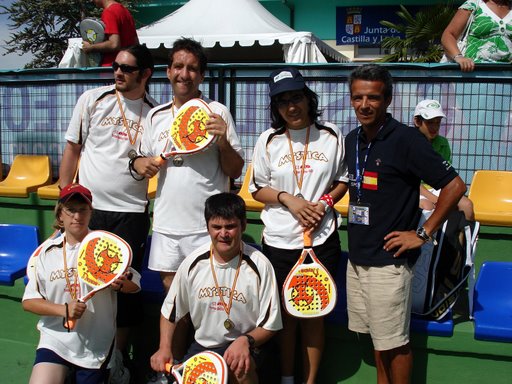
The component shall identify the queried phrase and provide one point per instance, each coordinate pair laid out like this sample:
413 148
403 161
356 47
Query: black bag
442 270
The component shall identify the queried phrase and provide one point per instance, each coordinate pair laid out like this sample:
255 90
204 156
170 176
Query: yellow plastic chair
250 203
342 205
51 191
28 172
152 185
491 194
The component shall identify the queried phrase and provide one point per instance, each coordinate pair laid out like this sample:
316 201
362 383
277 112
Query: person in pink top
119 31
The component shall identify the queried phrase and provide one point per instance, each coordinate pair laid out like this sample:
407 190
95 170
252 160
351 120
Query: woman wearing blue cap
299 173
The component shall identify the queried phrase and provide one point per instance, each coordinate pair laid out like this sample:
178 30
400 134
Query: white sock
287 380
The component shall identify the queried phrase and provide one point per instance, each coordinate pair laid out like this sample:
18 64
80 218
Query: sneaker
159 378
119 374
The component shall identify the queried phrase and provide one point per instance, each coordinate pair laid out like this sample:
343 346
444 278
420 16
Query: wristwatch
421 232
252 342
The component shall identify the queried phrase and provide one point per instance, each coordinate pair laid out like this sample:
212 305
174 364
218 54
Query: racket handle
160 160
168 367
70 324
307 239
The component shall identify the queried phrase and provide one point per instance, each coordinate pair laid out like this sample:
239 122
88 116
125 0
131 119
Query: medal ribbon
71 288
125 123
304 156
227 307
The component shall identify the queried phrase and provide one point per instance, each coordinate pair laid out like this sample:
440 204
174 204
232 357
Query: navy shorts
283 260
82 375
133 228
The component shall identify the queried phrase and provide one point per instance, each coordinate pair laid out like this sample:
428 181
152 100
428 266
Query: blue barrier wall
36 105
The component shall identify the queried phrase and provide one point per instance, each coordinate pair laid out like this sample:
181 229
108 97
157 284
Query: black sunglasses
125 68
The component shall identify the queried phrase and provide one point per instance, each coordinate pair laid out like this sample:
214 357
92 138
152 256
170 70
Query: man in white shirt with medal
229 290
106 126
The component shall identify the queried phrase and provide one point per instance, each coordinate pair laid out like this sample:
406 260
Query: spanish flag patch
370 180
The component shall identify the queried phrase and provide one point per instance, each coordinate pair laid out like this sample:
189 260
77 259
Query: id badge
359 214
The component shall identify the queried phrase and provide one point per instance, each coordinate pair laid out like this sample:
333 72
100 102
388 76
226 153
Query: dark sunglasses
125 68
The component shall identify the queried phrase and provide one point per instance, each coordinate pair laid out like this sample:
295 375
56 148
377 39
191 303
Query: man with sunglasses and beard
105 130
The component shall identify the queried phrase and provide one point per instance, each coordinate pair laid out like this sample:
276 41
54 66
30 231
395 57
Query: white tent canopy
230 30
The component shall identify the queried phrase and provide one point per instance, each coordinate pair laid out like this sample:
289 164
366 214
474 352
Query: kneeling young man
229 290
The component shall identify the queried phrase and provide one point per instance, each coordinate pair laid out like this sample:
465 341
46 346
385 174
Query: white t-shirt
88 344
182 190
97 123
255 300
272 167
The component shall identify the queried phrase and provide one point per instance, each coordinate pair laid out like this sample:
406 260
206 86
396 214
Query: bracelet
328 199
279 199
457 55
132 169
250 339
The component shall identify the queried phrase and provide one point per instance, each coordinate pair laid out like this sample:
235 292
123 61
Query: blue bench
492 302
17 242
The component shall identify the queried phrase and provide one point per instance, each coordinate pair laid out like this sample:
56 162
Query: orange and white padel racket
102 258
205 367
309 289
188 134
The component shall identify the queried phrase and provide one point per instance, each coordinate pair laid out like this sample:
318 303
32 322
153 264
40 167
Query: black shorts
283 260
133 228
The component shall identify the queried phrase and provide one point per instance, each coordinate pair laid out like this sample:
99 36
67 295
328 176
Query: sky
11 61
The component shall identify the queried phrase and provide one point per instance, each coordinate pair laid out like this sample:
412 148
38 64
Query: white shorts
168 251
379 303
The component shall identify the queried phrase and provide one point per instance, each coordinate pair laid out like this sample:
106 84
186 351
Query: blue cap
285 80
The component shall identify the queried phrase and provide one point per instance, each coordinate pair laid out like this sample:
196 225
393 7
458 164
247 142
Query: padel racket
309 289
93 31
205 367
102 258
188 134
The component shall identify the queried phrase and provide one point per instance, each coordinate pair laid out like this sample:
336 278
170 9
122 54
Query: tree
422 41
43 27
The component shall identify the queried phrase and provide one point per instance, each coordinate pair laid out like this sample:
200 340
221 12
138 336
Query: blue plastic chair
17 242
492 306
441 327
151 283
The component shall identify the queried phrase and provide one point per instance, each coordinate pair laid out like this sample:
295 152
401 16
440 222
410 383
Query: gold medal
228 324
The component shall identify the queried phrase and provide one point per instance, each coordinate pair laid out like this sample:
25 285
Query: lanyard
228 324
299 179
72 288
125 123
359 171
